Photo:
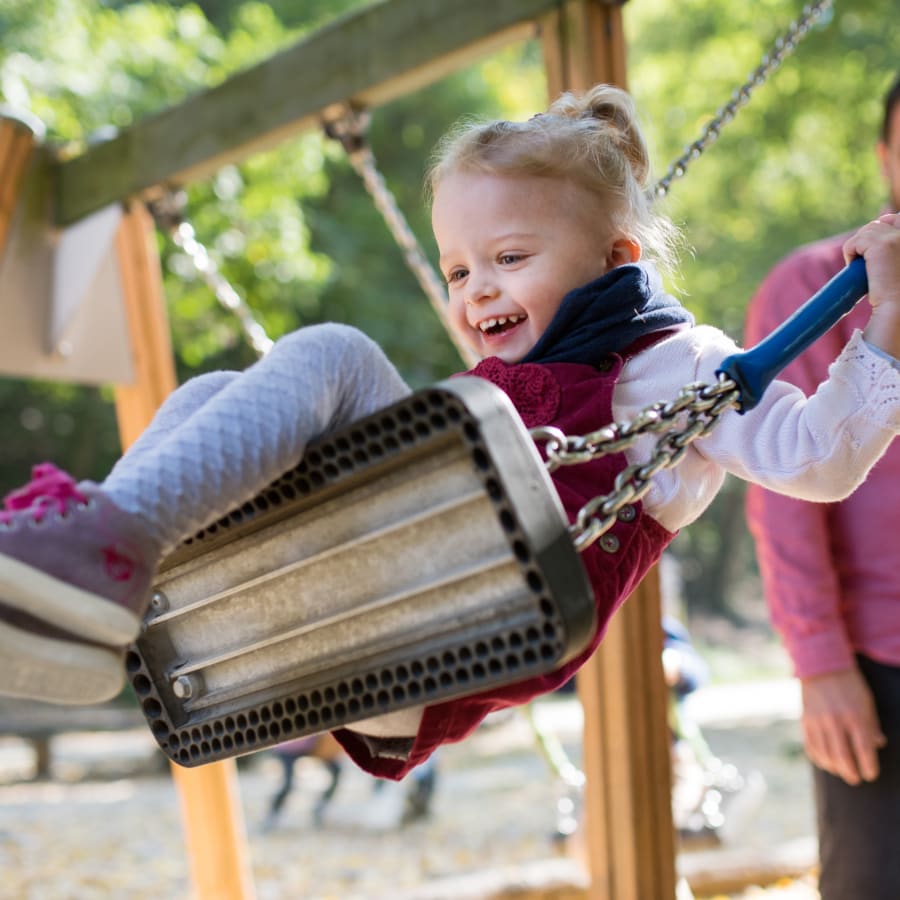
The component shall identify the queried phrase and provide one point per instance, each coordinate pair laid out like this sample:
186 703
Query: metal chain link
699 406
350 131
781 49
168 212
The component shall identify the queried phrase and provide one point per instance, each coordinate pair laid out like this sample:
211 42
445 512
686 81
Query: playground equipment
625 742
417 555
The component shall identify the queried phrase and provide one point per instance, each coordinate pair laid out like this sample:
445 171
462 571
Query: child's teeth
488 324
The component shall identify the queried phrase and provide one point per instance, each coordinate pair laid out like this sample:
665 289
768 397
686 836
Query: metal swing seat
418 555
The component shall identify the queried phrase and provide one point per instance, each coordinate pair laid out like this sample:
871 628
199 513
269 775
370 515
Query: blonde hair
593 140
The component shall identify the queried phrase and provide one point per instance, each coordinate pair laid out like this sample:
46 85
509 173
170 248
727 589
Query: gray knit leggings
222 437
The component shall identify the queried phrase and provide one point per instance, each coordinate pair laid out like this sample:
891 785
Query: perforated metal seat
418 555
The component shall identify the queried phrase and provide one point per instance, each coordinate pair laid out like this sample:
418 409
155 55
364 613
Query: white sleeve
819 449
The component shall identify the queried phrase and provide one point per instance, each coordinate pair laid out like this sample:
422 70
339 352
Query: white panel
91 330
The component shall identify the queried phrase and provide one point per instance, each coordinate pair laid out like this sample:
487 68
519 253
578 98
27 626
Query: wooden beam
375 55
148 326
214 827
629 836
215 833
19 134
583 45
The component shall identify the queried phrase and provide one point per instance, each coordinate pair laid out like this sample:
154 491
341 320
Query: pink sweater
830 570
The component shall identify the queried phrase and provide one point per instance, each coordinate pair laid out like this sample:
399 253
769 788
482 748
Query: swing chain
350 130
168 213
691 415
782 48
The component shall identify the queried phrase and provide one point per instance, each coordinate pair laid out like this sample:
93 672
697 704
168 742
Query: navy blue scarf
607 316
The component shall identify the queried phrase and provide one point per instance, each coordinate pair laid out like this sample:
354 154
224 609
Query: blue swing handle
754 370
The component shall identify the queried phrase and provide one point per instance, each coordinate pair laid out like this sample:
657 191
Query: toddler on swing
548 242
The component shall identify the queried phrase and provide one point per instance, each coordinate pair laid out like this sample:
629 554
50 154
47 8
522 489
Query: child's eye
508 259
456 275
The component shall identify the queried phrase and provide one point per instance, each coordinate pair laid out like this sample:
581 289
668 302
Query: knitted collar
607 315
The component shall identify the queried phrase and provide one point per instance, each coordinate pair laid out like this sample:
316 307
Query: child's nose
480 289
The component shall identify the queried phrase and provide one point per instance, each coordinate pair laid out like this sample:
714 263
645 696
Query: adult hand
879 243
841 731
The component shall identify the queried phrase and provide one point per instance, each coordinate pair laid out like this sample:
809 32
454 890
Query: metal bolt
159 602
183 687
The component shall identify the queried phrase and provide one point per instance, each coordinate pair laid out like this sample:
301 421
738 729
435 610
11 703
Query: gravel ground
108 824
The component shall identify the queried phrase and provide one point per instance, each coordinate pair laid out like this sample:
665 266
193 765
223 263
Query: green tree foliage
796 163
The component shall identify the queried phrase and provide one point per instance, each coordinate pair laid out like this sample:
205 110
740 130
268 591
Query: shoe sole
64 605
40 668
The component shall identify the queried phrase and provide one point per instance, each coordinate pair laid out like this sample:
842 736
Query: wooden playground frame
370 57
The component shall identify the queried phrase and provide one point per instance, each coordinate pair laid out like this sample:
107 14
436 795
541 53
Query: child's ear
623 251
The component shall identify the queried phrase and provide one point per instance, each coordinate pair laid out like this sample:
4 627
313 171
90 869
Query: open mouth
499 324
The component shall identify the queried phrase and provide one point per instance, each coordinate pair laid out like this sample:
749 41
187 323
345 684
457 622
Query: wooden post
629 840
215 834
148 326
19 135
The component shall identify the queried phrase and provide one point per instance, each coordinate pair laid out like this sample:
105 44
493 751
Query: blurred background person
832 584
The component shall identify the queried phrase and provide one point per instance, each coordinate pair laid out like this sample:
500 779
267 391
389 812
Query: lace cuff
883 354
875 375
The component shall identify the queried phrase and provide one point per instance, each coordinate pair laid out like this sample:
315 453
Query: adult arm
792 536
794 548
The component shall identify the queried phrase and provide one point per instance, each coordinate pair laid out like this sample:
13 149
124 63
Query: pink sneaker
74 569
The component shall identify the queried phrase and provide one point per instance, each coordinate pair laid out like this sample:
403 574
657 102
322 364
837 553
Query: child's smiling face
511 247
